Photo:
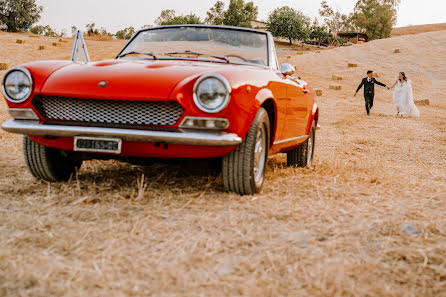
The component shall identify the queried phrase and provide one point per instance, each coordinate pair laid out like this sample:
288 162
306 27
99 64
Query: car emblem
102 84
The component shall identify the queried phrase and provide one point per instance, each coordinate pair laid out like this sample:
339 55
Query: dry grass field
368 220
417 29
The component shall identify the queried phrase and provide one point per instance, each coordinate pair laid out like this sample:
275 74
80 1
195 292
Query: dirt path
368 220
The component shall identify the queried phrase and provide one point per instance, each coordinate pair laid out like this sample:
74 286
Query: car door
279 89
297 111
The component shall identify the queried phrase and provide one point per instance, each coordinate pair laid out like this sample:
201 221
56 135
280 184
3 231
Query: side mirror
287 69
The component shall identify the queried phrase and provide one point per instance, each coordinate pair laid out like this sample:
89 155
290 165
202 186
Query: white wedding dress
403 99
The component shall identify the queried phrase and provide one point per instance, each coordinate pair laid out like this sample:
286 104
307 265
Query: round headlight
212 93
17 84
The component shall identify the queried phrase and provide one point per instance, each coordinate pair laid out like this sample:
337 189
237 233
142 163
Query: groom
369 89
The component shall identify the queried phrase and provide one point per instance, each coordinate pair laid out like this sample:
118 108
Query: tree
216 15
104 32
91 29
168 17
184 19
16 14
288 23
165 16
73 30
376 17
240 14
334 20
127 33
320 33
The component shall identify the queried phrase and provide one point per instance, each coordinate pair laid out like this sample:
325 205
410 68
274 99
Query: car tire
302 156
49 164
243 170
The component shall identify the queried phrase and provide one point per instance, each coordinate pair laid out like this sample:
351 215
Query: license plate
98 145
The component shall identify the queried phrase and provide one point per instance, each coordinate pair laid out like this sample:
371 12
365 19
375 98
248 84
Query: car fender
262 96
313 117
40 71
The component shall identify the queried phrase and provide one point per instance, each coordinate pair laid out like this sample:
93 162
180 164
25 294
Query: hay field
368 220
417 29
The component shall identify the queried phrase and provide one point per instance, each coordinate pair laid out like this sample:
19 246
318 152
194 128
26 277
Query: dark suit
369 91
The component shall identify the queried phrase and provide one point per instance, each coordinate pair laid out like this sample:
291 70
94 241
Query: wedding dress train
403 99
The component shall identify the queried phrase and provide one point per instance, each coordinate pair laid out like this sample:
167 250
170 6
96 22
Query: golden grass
98 37
409 30
368 220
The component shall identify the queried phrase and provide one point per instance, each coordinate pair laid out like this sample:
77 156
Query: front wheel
47 163
244 169
302 156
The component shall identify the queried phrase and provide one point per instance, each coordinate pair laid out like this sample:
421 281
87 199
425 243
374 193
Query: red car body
289 101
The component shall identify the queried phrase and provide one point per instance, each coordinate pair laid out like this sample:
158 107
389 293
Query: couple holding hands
402 95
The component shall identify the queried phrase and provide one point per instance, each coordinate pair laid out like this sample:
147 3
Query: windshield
204 43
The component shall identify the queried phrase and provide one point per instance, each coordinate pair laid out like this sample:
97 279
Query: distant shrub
126 33
91 29
45 31
168 17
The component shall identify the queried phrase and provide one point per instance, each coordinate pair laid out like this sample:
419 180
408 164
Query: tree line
376 18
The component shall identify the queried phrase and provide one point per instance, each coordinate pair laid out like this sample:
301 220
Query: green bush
127 33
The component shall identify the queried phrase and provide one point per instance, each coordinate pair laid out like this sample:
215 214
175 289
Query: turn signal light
204 123
23 114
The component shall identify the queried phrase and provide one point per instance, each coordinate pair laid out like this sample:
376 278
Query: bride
403 97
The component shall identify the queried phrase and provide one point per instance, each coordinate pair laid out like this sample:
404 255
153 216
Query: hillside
410 30
368 220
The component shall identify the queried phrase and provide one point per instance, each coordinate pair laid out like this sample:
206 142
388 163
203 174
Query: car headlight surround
17 84
212 93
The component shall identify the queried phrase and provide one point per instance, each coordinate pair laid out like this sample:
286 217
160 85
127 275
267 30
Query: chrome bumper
200 138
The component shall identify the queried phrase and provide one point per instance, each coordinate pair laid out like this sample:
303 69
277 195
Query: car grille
116 112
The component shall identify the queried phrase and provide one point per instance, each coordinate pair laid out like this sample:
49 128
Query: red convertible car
184 91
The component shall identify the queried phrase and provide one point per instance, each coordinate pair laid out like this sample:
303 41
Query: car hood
119 79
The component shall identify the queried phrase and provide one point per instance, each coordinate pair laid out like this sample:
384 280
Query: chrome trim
204 119
260 154
287 69
27 73
202 138
225 83
80 37
13 112
305 137
273 62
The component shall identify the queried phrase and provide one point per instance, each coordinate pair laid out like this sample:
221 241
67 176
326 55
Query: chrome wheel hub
310 149
260 155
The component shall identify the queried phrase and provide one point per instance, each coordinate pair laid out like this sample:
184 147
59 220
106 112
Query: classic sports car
184 91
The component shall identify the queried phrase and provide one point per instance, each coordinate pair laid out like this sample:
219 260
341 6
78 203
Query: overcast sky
118 14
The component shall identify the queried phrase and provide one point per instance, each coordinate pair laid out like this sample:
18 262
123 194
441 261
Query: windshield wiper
188 52
138 53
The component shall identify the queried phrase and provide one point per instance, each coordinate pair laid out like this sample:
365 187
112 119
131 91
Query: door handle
306 91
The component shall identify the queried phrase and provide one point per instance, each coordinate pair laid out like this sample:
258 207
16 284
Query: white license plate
97 145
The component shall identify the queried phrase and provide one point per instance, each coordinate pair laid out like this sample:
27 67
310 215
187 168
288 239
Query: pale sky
118 14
